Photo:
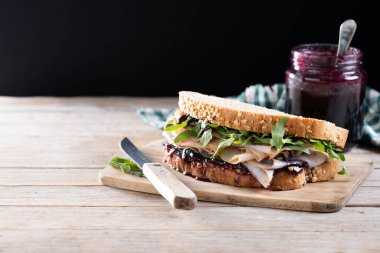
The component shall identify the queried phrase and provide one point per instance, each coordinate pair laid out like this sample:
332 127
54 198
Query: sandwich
234 143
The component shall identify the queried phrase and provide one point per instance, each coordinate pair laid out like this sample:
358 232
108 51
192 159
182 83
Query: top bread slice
248 117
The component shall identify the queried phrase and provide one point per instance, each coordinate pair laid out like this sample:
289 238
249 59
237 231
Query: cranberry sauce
182 119
189 155
318 85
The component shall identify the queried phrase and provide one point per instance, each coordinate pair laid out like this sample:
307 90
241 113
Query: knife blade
131 150
169 186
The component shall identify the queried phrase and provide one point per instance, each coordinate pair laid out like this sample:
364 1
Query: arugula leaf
197 128
278 131
293 141
222 131
265 141
261 138
295 144
169 127
331 151
341 157
336 153
206 137
212 125
246 133
243 140
125 165
297 148
225 143
344 171
262 135
185 135
233 131
169 120
278 141
318 145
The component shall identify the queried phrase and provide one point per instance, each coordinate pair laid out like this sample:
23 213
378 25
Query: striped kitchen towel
274 97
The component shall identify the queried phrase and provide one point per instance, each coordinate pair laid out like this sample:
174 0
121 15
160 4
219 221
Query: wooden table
51 150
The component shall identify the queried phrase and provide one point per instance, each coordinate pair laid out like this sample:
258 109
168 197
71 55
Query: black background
157 48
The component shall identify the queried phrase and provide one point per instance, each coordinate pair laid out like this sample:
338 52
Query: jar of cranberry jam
320 85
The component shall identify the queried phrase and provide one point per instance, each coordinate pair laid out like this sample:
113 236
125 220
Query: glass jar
320 85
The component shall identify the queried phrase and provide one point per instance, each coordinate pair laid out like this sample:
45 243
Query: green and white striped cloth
274 97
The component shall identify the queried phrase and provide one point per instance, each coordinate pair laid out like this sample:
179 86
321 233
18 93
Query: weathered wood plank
74 159
373 179
367 155
203 241
101 118
19 104
85 130
366 196
72 144
204 218
49 176
60 195
51 144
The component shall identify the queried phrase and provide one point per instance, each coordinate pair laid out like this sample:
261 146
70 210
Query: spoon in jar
346 33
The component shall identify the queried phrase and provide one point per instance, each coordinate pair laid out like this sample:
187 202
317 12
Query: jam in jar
320 85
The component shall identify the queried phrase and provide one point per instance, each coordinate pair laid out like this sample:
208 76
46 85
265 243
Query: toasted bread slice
281 181
248 117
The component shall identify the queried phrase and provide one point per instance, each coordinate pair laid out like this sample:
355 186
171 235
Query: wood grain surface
52 149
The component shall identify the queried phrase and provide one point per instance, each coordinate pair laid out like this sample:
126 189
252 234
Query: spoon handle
346 32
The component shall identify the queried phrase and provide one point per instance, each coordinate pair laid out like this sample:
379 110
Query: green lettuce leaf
337 153
297 148
185 135
278 131
223 144
243 140
318 145
344 171
206 137
125 165
212 125
169 127
261 138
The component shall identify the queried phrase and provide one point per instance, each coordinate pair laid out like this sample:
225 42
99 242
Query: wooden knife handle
170 187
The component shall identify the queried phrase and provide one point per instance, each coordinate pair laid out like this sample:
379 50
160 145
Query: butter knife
170 187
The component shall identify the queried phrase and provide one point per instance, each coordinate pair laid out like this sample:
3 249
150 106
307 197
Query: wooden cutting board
318 197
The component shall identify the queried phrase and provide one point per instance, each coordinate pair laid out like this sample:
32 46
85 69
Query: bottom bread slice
282 179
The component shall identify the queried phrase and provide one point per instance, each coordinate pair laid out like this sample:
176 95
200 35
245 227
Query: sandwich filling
260 153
